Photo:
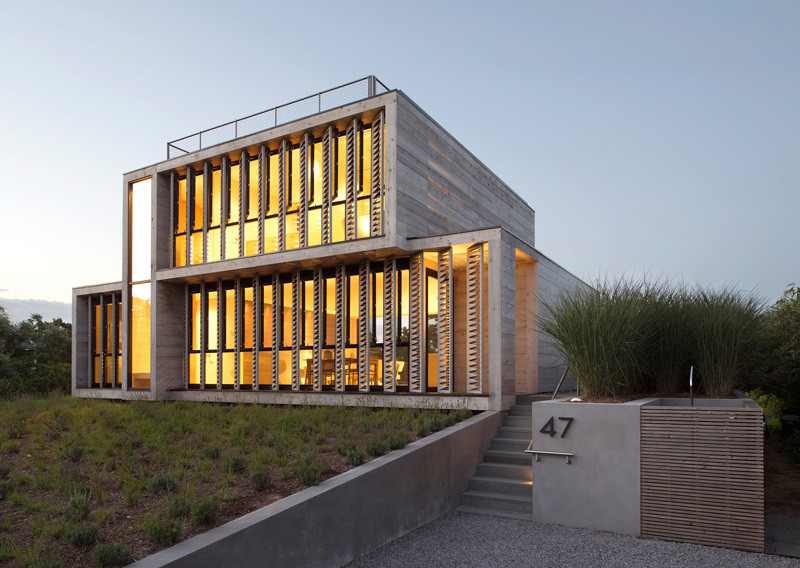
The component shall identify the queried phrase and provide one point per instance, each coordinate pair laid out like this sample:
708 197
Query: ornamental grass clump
726 327
603 335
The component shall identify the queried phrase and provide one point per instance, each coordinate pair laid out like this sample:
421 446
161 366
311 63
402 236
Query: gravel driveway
465 539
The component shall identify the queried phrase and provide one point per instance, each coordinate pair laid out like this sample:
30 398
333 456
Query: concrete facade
430 199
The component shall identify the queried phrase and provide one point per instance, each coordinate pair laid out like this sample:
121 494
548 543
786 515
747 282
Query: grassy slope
156 473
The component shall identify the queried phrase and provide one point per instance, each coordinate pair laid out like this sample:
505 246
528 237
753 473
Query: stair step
505 471
518 421
500 486
510 444
495 513
486 500
515 432
521 410
504 456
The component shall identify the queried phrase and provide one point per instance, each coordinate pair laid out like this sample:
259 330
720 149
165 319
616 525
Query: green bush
7 487
179 507
111 554
377 447
162 483
206 512
791 446
355 457
781 365
81 534
211 452
46 562
398 440
310 471
76 453
233 464
5 470
10 447
79 502
259 480
772 406
164 532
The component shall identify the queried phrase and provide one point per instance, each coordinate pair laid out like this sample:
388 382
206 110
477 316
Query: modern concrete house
341 249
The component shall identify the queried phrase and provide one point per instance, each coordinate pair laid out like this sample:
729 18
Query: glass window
330 312
140 226
432 326
140 335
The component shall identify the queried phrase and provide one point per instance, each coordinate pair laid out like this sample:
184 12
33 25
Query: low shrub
164 532
46 562
355 457
311 471
111 554
377 448
162 483
179 507
791 446
7 487
5 470
211 453
345 447
206 512
233 464
10 447
79 503
81 534
398 440
76 453
259 480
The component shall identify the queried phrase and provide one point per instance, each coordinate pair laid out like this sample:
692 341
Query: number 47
550 426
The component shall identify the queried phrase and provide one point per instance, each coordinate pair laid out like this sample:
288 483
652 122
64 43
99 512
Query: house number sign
549 427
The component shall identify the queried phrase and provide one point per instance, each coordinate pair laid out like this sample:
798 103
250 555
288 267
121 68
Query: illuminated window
106 344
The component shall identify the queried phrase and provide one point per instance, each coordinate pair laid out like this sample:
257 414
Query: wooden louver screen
317 354
297 319
389 323
352 168
702 476
340 328
475 319
276 322
363 325
415 379
444 335
376 196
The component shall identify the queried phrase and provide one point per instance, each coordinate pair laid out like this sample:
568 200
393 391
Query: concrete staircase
502 484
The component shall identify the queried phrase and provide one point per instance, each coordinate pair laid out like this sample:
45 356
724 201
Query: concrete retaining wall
349 515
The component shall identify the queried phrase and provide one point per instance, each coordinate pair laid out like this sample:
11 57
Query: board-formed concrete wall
599 489
350 514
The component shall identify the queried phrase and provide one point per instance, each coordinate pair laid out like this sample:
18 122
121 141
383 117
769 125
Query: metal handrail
372 90
537 453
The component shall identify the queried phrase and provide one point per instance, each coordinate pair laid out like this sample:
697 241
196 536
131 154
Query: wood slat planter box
703 474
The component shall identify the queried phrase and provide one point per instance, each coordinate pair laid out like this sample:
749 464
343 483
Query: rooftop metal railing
351 92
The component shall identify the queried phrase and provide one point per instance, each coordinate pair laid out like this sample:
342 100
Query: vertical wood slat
262 195
244 193
187 324
318 311
340 328
352 181
297 285
702 476
203 332
376 195
189 213
282 185
302 213
327 183
101 328
257 312
173 202
91 321
475 319
237 331
115 338
224 200
389 324
415 378
206 207
220 326
364 304
276 322
443 326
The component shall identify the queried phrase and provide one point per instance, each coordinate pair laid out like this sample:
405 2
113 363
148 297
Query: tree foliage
34 355
782 347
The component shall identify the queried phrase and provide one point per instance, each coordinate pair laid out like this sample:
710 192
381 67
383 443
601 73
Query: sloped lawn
84 482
